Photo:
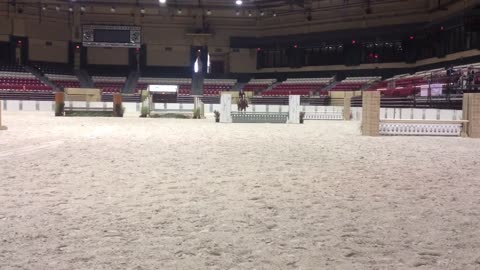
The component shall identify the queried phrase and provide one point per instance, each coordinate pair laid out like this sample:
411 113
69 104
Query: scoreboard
111 36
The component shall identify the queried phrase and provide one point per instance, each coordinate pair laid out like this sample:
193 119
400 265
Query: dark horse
242 104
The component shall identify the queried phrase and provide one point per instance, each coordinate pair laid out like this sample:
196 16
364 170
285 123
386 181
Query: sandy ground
103 193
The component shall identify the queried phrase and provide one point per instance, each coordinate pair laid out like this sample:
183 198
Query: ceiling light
82 8
44 7
162 1
70 9
57 8
142 10
250 14
237 12
239 2
274 14
112 9
262 13
209 12
179 11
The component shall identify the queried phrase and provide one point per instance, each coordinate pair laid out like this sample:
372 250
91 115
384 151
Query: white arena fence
134 109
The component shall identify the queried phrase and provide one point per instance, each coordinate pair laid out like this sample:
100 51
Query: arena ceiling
315 5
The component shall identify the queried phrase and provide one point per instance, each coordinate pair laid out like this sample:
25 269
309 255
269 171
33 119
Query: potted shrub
217 116
302 116
144 112
196 113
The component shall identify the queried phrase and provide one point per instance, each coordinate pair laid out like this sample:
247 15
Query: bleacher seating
109 84
299 86
15 78
354 83
64 81
258 85
11 68
53 68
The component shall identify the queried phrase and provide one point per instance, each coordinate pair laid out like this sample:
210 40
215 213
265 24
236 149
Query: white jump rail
323 116
422 127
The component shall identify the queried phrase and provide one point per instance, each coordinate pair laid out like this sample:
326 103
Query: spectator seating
299 86
109 84
354 83
53 68
64 81
258 85
14 78
11 68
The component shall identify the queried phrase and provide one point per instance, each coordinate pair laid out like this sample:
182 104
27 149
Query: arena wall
5 26
169 56
107 56
243 60
48 51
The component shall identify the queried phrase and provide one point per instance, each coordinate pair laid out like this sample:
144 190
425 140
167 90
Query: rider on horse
242 101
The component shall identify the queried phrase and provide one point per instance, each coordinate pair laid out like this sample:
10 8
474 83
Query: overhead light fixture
112 9
237 12
179 11
82 8
262 13
70 9
142 10
274 14
250 13
44 7
57 8
209 12
239 2
162 1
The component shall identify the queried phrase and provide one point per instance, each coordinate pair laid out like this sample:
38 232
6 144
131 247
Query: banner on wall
436 89
163 88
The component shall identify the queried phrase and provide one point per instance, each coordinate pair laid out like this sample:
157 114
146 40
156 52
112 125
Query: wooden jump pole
117 105
371 113
59 103
1 126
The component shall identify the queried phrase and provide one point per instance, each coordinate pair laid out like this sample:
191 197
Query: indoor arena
230 134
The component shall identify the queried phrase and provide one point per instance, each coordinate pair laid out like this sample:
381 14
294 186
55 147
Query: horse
242 104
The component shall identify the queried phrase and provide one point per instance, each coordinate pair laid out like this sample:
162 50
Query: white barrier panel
260 108
173 106
225 108
12 105
188 107
29 105
77 104
406 113
46 106
311 108
293 109
216 107
130 107
417 113
273 108
430 114
96 104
